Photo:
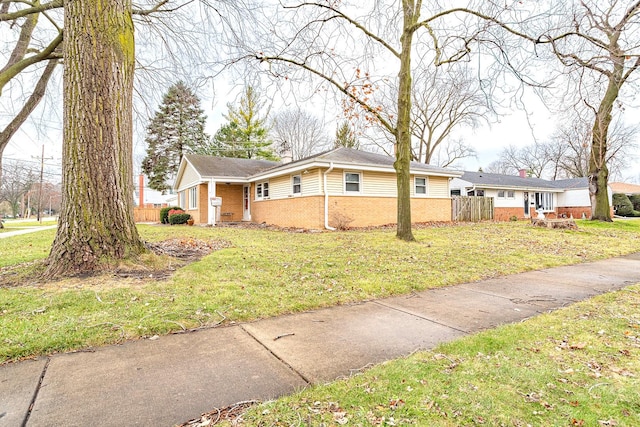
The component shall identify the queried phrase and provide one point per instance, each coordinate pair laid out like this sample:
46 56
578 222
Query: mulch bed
187 249
229 413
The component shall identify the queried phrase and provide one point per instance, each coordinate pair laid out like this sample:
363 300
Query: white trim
193 201
246 213
344 182
293 185
311 164
211 210
326 198
426 186
262 185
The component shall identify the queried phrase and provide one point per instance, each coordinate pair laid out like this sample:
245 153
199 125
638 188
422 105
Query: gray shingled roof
572 183
208 166
358 157
498 180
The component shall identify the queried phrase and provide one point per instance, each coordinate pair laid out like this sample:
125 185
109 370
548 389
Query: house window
500 194
544 201
511 194
420 185
262 190
296 182
351 182
182 199
193 198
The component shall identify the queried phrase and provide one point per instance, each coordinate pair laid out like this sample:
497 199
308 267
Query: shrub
513 218
179 218
622 204
164 213
635 201
341 221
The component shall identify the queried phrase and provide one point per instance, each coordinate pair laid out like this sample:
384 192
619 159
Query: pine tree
345 137
176 129
246 134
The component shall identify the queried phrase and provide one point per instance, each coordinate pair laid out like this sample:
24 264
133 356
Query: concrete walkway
25 230
175 378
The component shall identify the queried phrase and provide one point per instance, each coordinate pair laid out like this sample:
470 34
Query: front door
246 203
526 203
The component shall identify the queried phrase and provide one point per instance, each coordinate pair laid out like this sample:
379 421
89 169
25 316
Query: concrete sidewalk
26 230
175 378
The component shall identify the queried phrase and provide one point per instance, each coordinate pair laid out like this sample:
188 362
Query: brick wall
576 211
302 212
231 201
505 214
427 210
203 204
308 212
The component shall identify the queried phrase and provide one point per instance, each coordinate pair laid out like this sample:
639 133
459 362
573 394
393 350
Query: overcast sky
516 127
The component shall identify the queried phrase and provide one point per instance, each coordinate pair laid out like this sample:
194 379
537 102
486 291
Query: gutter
326 197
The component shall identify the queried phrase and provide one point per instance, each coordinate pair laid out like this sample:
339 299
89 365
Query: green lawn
265 273
578 366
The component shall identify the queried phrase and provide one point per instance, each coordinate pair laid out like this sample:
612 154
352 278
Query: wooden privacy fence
146 214
471 208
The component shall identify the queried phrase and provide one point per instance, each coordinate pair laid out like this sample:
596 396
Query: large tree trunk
403 126
598 171
96 223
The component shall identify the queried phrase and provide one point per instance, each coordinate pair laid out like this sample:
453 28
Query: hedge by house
635 201
623 205
179 218
164 213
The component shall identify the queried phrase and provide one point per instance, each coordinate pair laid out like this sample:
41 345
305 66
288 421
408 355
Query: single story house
341 187
145 197
522 197
624 188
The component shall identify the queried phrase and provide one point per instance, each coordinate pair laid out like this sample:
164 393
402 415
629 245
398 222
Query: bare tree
17 179
297 133
31 48
534 159
572 145
451 152
597 43
444 98
337 45
96 222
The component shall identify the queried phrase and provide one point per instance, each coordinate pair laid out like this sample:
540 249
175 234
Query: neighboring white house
522 196
145 197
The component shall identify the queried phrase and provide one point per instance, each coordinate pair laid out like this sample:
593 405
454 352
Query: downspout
326 198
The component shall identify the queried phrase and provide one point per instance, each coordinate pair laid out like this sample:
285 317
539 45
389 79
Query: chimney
287 157
141 190
522 173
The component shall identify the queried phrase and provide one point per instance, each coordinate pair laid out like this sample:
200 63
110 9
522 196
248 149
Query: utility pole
40 189
39 217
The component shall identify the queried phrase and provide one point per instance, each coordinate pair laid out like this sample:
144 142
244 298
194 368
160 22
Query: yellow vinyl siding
280 187
379 184
311 182
189 177
438 186
335 182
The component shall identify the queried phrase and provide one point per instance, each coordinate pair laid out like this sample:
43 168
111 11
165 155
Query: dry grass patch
256 273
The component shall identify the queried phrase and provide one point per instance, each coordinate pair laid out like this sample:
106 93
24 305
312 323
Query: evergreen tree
175 130
345 137
246 134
